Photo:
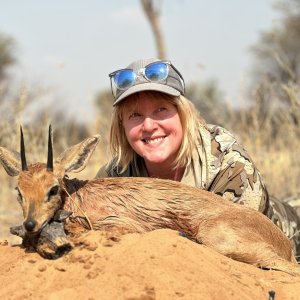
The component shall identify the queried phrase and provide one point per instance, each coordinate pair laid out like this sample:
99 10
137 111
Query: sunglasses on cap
155 72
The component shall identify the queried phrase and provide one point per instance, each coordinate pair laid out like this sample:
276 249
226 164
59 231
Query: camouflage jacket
219 164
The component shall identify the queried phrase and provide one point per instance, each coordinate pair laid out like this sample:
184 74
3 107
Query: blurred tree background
7 58
267 122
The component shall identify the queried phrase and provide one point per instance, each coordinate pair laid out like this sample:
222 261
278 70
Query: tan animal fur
144 204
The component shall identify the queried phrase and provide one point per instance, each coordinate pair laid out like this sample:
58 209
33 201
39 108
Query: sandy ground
155 265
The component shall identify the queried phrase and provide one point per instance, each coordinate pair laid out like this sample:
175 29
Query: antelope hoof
53 242
18 230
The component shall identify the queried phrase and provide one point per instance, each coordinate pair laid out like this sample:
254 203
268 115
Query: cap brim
149 86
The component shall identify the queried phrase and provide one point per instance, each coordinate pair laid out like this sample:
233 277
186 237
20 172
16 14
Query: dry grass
279 167
269 128
270 131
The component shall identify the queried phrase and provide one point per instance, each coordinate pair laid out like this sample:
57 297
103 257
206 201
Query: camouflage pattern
221 165
294 201
287 219
237 178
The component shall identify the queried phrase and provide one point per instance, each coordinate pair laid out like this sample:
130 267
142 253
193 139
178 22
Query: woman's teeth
152 141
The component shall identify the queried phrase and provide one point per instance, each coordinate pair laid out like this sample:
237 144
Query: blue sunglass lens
157 72
124 79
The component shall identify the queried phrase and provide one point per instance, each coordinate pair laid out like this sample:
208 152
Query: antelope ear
11 161
75 158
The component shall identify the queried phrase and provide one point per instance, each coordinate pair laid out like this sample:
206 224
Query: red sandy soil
155 265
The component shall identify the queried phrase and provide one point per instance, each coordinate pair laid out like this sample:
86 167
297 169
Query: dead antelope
144 204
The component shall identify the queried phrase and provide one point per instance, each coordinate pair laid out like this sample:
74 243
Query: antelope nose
29 225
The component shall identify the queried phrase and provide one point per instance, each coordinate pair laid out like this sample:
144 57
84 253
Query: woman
157 132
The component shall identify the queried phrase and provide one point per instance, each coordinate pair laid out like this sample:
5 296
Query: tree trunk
153 15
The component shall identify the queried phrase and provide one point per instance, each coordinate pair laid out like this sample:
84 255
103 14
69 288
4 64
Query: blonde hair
191 122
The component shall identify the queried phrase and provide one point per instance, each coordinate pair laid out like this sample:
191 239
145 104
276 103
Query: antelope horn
50 151
22 150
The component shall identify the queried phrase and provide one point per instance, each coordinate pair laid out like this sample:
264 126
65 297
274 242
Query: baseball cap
146 75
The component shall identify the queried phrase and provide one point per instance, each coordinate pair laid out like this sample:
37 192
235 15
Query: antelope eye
53 191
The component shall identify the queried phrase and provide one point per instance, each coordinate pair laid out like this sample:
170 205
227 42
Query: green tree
276 75
7 58
278 49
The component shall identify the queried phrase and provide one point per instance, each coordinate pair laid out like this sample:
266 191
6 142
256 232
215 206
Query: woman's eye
161 109
134 115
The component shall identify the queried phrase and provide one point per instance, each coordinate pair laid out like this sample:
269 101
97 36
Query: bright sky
71 46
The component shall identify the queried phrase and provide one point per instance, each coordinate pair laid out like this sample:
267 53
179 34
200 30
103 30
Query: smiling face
153 129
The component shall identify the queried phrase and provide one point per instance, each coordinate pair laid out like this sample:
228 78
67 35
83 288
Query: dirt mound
156 265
